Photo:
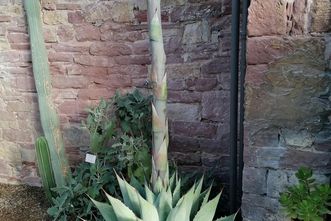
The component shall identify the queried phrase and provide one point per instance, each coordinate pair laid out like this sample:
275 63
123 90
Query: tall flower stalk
160 172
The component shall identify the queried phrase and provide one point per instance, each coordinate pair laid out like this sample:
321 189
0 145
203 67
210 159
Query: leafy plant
115 150
166 204
307 201
133 112
100 124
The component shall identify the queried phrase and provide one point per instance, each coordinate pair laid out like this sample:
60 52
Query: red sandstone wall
288 102
96 47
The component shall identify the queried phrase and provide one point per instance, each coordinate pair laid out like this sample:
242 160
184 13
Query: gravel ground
22 203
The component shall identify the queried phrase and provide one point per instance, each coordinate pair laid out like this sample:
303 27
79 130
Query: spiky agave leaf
158 206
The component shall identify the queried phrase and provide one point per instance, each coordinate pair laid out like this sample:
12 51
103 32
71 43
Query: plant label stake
90 158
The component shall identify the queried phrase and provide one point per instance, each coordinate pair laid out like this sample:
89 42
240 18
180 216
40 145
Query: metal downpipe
234 103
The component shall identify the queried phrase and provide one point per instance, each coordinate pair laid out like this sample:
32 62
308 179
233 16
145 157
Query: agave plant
166 204
162 200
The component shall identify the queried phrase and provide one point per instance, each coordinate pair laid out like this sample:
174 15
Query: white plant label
90 158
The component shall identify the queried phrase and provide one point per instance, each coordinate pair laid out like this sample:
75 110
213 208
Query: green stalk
45 166
159 105
49 119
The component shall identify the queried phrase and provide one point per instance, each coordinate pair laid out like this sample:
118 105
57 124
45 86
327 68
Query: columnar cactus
48 115
159 105
45 166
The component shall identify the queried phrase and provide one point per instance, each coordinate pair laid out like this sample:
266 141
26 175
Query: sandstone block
184 112
76 17
98 61
215 106
196 32
183 144
54 17
297 138
18 37
184 97
255 180
321 16
109 49
201 84
74 81
87 33
267 17
65 33
59 57
194 129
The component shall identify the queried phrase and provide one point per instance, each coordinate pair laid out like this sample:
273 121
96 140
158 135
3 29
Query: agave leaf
124 192
205 199
163 204
197 198
134 197
158 187
122 212
207 211
183 208
150 197
106 210
172 182
136 184
176 193
148 210
228 218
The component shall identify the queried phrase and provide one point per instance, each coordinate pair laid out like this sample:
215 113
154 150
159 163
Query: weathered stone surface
183 144
184 112
87 33
261 208
202 84
54 17
76 135
98 61
255 180
301 138
109 49
65 33
98 47
267 17
184 97
194 129
196 32
215 106
321 16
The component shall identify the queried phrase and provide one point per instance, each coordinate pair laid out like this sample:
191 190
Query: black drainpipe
245 6
235 176
234 103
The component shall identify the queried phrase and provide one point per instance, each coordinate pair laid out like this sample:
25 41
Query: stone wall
96 47
288 102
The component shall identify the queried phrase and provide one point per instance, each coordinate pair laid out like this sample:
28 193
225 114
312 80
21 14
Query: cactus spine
49 119
45 166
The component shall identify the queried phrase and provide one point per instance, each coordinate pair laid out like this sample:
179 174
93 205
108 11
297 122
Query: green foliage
134 114
45 166
100 125
306 201
115 150
165 204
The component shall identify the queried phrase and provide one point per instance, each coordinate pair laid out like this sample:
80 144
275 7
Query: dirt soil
22 203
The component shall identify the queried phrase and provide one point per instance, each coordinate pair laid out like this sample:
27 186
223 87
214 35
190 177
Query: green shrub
116 148
307 201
